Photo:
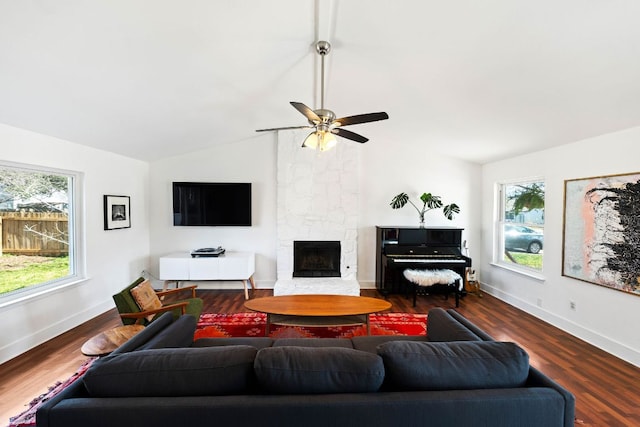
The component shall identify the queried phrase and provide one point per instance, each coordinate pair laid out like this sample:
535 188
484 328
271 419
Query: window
520 225
39 225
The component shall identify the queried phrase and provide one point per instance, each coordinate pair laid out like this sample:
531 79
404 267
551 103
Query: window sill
528 273
40 292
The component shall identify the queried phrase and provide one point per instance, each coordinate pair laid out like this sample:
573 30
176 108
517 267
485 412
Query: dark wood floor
607 389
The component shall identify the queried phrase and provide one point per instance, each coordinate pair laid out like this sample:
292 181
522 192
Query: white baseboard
260 284
610 346
26 343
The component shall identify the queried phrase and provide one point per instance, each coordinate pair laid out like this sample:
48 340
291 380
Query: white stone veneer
317 199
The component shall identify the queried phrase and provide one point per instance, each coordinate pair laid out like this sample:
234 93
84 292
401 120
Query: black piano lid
412 236
431 236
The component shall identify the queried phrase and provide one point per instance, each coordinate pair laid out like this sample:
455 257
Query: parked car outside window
522 238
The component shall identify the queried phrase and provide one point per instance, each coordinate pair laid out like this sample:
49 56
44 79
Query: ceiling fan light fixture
311 141
323 141
327 141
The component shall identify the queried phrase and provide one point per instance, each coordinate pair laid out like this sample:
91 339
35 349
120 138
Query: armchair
131 312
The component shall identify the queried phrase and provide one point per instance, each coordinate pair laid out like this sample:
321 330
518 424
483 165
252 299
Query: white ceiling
478 80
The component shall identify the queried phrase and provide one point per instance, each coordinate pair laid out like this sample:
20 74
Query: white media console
181 266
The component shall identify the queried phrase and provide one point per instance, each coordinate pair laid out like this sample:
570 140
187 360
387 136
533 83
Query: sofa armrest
538 379
442 326
150 331
467 324
75 390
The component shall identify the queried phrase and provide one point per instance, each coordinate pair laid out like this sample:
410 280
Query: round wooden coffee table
107 341
317 310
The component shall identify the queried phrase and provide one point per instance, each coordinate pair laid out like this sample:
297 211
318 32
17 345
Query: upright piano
400 248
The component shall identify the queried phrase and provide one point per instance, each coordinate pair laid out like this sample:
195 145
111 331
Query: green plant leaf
451 209
399 201
430 201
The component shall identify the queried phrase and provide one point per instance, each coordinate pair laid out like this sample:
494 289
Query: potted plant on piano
429 202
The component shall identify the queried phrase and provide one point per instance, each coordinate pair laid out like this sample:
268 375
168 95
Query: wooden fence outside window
34 233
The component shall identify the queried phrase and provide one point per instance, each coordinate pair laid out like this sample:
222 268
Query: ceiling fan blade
349 135
284 128
306 111
362 118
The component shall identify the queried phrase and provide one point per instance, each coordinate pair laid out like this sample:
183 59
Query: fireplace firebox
316 258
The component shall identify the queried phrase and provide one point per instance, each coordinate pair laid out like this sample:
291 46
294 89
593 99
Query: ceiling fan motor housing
327 116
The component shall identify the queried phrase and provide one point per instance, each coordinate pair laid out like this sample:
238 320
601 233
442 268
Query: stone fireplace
317 201
316 258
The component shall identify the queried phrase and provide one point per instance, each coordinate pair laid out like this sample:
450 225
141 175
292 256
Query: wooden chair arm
142 314
191 288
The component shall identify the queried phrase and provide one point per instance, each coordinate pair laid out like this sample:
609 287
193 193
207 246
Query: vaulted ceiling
478 80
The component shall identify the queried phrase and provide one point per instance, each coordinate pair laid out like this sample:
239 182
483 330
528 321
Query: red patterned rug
252 324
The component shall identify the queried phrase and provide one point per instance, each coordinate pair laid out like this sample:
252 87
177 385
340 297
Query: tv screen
211 204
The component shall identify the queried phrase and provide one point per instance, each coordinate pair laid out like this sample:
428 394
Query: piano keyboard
430 261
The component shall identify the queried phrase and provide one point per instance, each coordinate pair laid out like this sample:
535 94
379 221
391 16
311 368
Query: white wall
386 169
391 167
252 160
604 317
113 258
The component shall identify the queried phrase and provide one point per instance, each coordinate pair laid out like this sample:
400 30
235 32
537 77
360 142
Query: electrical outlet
572 305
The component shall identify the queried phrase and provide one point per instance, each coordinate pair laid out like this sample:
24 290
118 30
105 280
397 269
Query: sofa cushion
411 365
178 334
312 370
313 342
370 343
257 342
173 372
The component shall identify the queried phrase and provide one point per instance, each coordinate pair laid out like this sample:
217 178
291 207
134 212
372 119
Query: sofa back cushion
313 370
173 372
411 365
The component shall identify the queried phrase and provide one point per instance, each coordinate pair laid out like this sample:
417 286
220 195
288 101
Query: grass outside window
20 271
533 261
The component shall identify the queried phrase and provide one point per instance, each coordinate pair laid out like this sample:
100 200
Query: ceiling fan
323 121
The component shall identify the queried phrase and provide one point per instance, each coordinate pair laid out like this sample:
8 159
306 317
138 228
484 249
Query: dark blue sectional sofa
455 376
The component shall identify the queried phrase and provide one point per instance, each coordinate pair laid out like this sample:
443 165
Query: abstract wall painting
601 242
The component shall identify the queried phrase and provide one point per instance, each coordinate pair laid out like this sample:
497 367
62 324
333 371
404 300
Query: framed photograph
601 240
117 212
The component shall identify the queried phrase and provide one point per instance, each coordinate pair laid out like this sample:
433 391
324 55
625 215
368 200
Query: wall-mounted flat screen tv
211 204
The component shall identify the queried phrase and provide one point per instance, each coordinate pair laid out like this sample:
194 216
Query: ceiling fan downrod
323 48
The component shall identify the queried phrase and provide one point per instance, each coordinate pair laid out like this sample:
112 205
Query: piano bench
434 281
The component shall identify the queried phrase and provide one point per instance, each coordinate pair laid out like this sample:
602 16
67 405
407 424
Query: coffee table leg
368 325
266 328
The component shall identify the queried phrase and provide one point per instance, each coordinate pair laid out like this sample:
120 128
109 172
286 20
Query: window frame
76 229
500 220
